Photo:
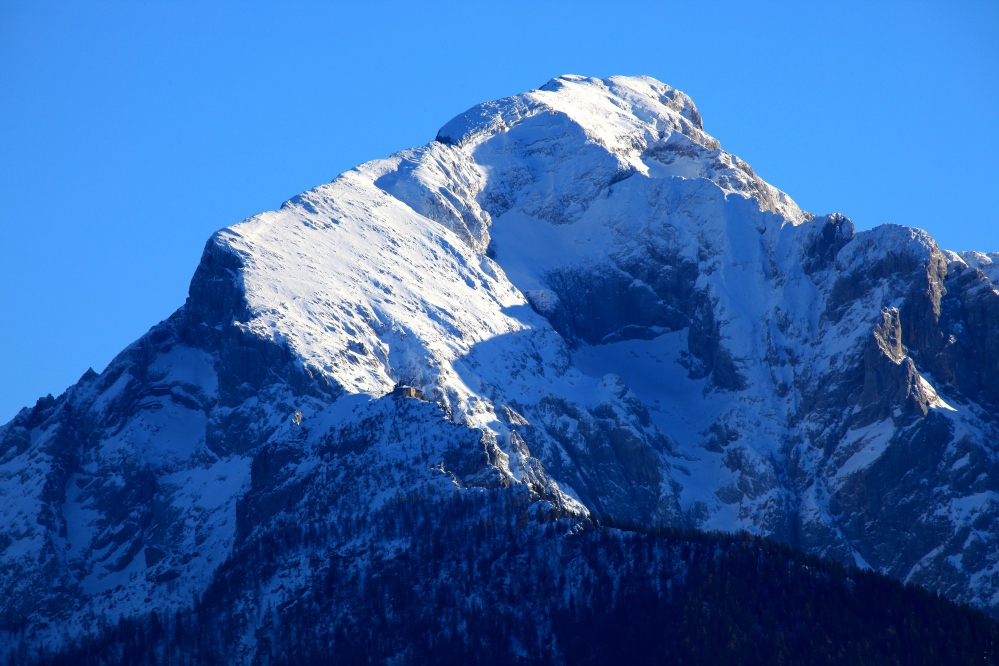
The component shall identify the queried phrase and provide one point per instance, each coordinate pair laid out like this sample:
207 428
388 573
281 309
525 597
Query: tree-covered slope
489 580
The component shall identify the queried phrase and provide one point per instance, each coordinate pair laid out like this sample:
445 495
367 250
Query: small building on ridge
403 391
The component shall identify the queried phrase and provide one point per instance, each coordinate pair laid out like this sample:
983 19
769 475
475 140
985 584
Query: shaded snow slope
602 306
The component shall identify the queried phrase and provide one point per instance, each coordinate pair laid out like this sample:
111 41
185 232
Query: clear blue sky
130 131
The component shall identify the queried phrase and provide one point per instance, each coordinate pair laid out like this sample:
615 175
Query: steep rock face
899 425
609 314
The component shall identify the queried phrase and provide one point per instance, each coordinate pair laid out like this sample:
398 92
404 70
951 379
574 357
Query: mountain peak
600 312
620 111
632 90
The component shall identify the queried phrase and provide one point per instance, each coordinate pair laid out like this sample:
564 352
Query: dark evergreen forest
492 579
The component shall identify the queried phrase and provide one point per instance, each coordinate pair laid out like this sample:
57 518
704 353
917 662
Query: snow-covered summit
619 112
645 125
550 154
604 311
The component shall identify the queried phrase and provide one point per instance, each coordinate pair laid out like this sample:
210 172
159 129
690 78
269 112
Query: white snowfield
382 275
490 269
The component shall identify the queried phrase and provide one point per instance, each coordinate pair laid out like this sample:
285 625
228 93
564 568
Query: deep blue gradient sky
130 131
